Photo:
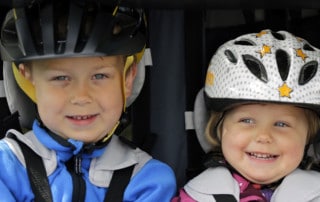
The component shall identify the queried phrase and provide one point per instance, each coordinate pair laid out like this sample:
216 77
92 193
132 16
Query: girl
264 93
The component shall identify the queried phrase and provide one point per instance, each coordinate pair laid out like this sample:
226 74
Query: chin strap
129 62
106 138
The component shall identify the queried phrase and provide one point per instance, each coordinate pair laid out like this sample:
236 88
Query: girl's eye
246 120
99 76
281 124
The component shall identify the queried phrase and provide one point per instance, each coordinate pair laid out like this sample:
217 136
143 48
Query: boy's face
79 98
264 142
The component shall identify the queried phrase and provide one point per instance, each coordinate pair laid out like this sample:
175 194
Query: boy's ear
130 76
25 71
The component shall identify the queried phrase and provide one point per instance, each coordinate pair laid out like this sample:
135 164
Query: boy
77 61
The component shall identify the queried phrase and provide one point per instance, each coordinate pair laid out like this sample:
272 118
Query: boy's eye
61 78
99 76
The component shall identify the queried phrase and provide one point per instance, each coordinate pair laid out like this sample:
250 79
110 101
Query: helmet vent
308 47
9 32
116 29
278 36
255 67
61 11
308 71
33 16
230 56
283 62
87 22
245 43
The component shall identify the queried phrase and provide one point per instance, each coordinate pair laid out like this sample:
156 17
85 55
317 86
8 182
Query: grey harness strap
118 184
224 198
36 173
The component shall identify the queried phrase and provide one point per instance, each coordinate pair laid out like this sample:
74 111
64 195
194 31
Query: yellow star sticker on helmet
285 90
301 54
210 78
260 34
264 50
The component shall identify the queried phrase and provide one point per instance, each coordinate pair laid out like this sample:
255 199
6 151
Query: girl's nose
264 136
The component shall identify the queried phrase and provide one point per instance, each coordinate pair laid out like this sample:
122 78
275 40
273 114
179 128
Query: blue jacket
151 180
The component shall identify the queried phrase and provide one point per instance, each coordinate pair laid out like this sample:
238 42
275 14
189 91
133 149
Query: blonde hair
213 130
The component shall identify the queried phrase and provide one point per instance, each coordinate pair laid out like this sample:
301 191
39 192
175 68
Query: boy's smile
82 120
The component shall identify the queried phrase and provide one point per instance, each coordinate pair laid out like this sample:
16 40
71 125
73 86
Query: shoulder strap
36 173
224 198
118 184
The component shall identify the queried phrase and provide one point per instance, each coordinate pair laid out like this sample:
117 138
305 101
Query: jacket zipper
79 185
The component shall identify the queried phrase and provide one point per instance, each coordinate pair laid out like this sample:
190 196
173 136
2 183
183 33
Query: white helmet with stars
267 66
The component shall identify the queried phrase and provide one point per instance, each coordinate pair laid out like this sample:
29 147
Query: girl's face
79 98
264 142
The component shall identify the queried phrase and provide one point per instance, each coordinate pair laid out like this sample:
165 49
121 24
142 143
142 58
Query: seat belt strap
119 181
36 173
224 198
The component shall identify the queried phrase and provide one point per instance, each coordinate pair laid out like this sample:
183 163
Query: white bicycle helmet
267 66
259 67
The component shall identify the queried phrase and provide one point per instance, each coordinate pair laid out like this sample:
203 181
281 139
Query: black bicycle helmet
44 29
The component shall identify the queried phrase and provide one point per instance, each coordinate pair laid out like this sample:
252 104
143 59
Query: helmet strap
129 62
107 137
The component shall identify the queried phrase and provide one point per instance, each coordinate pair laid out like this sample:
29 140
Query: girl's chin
262 179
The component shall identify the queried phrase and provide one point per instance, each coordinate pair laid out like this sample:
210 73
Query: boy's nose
80 100
81 95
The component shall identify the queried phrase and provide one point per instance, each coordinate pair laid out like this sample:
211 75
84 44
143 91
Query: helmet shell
264 67
66 28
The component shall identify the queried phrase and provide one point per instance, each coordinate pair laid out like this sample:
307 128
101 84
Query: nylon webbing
118 184
224 198
36 173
